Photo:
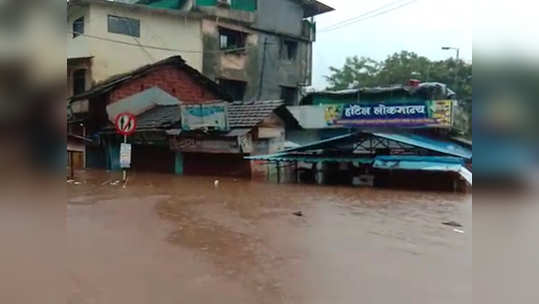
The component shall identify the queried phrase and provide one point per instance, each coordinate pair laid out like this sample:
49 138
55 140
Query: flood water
166 239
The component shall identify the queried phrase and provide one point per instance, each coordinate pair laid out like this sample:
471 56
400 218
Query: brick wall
174 81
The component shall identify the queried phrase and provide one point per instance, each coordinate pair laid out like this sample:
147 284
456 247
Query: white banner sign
125 156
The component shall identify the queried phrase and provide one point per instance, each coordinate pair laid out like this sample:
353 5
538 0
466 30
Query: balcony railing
309 30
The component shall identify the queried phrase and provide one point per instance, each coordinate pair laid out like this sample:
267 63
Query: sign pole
125 170
126 124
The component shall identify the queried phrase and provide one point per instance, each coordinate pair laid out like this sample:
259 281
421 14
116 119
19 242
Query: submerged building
401 135
186 124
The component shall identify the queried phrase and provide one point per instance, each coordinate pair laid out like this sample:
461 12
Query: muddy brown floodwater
165 239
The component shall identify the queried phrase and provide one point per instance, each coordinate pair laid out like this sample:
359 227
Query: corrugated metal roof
313 8
447 164
429 143
141 102
420 141
312 158
159 117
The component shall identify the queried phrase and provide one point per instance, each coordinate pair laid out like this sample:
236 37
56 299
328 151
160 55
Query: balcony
308 30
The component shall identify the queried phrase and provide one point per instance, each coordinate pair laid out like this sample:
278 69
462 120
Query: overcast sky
422 27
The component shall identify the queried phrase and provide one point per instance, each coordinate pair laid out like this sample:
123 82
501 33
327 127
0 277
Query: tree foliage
400 67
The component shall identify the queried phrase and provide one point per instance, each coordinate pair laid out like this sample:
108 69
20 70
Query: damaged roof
241 115
177 61
427 90
250 114
159 117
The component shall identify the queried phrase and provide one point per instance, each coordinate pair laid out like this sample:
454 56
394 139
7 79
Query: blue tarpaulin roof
447 147
424 163
312 158
384 162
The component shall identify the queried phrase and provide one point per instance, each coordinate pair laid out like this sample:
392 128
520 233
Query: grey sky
422 27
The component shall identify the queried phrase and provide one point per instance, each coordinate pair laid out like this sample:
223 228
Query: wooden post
71 169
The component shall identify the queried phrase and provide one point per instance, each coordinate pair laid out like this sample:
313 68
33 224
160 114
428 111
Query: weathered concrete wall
282 72
241 66
247 66
283 16
275 21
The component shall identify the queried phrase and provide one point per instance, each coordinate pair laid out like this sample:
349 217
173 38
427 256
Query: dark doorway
234 88
153 159
289 95
206 164
79 82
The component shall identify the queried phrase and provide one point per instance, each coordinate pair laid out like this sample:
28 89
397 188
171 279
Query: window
79 82
229 39
123 25
234 88
78 27
289 95
289 49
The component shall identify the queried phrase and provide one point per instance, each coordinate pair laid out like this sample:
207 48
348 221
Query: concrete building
255 50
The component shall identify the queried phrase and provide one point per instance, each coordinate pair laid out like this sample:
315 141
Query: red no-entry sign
125 124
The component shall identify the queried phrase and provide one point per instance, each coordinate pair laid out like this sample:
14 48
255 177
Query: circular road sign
125 124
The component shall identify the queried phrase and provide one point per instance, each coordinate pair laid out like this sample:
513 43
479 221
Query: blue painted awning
284 157
429 143
424 163
447 147
418 163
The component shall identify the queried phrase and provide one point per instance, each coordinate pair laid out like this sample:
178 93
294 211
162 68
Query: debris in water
69 181
298 213
77 183
458 230
452 224
216 183
115 183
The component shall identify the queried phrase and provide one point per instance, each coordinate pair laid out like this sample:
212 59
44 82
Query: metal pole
456 69
124 169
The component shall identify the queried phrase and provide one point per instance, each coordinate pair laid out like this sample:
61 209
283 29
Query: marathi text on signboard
433 113
125 156
212 116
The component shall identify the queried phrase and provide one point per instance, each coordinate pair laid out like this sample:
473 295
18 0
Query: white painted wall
156 29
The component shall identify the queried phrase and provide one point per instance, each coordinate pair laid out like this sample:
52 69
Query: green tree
398 69
356 72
